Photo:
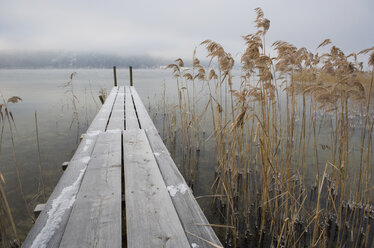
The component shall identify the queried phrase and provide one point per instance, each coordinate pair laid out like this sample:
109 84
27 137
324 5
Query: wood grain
70 177
151 220
130 114
189 211
117 117
95 220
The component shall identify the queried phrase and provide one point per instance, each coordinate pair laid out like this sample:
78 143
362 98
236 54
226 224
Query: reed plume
284 139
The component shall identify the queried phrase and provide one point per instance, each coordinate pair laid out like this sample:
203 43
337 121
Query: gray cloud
171 28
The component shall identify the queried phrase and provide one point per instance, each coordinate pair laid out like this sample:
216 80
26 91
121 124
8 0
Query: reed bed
8 231
293 141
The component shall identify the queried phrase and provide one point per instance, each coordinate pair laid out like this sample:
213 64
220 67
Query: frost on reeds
293 141
8 228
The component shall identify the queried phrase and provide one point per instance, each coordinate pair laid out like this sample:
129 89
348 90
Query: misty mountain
35 60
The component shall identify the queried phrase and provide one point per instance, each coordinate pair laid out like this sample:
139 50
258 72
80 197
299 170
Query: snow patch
85 160
173 190
159 153
117 130
59 206
93 133
194 245
88 143
85 148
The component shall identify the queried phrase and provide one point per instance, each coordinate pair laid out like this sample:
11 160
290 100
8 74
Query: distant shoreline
72 60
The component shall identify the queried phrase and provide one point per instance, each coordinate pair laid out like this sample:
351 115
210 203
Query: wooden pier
121 188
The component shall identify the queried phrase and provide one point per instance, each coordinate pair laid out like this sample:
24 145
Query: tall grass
287 139
8 231
74 101
9 236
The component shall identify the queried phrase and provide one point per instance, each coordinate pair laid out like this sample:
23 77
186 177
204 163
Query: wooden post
131 83
115 76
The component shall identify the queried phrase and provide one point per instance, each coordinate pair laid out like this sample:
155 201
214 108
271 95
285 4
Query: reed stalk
273 132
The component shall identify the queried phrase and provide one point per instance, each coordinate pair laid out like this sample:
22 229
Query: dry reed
284 141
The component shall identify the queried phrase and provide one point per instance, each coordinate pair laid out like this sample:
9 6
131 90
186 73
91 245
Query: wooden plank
130 114
189 211
49 226
101 119
151 219
95 220
117 121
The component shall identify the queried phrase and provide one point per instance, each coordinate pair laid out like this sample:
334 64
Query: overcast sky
172 28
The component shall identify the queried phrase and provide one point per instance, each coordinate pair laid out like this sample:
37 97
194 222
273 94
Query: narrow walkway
122 157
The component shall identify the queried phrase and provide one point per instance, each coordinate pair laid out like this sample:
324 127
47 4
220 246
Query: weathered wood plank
189 211
117 121
101 119
95 220
151 219
130 114
49 226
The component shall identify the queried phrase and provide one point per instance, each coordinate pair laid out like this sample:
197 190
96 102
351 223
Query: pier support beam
115 75
131 83
38 209
64 165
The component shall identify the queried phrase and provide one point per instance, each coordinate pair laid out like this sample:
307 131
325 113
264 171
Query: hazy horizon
167 29
61 59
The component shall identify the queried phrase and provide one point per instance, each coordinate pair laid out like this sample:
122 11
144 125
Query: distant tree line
34 60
